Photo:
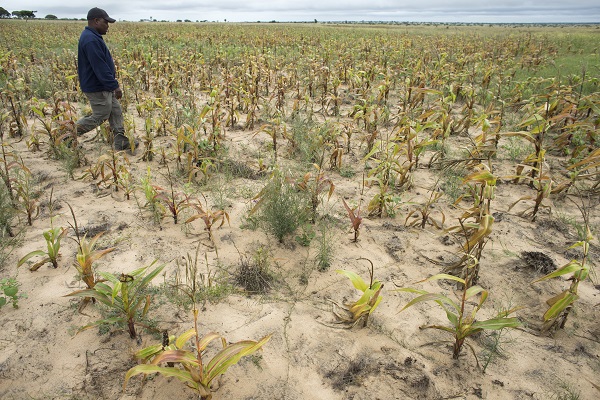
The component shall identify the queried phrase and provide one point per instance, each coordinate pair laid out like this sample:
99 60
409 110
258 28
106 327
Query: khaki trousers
105 106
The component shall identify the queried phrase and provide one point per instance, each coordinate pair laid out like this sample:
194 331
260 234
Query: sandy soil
308 356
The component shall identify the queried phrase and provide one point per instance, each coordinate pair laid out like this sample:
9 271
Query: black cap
99 13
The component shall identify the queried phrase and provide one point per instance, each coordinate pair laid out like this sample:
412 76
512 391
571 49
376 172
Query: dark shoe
121 143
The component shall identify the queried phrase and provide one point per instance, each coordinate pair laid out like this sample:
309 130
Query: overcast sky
324 10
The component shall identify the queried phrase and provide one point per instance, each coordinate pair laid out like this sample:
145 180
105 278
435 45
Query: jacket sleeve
102 64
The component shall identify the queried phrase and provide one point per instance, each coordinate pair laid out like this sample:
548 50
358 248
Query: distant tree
4 13
51 16
24 14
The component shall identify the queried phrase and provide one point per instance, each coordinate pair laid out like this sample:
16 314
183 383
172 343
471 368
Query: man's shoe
121 143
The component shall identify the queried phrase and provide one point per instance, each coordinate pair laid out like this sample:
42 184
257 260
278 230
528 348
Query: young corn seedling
175 202
26 193
384 202
53 237
561 305
87 255
152 203
463 323
274 129
210 218
191 366
124 294
355 219
476 222
361 309
315 187
421 214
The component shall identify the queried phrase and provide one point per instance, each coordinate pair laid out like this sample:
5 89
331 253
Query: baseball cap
99 13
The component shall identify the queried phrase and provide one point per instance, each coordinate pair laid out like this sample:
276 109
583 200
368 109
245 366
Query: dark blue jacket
95 65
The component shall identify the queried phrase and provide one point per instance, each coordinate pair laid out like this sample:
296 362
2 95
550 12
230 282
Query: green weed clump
282 208
9 288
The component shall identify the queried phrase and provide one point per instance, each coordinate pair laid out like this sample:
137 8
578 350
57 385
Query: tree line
22 14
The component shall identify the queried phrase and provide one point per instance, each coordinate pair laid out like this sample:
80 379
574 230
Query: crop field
314 211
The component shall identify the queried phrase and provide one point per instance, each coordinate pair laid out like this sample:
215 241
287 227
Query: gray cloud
298 10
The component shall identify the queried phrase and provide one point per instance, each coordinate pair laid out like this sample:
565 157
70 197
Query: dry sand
308 356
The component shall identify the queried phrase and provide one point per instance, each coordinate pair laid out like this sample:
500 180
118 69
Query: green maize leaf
411 290
148 352
109 277
146 280
560 305
567 269
167 372
230 355
30 255
481 177
496 323
206 339
440 299
103 288
474 291
139 271
453 318
179 356
146 306
535 119
365 297
379 298
101 297
525 135
184 337
115 291
485 228
359 310
2 301
442 277
439 327
106 321
356 280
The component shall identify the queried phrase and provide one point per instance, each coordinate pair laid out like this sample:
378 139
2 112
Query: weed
306 236
9 288
254 272
281 208
325 249
565 391
514 149
197 286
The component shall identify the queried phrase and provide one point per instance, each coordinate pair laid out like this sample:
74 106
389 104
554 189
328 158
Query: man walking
97 78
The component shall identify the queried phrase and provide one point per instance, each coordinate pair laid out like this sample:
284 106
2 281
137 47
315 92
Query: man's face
101 25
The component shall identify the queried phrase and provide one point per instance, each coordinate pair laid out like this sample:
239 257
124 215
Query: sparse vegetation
420 146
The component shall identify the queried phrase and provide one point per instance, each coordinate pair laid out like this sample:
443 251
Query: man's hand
118 93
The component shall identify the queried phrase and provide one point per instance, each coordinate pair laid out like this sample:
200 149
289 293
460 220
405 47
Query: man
97 78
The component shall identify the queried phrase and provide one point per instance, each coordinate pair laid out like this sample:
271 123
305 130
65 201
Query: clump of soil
352 374
538 261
